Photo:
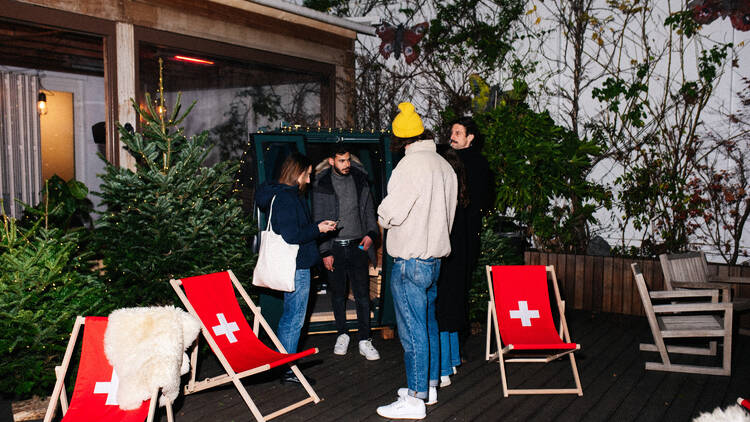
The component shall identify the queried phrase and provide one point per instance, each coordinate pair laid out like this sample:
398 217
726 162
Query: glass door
371 151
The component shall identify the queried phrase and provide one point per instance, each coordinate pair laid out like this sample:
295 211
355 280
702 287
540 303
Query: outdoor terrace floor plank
616 386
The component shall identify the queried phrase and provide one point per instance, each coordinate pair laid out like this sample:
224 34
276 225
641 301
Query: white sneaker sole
407 416
369 357
415 416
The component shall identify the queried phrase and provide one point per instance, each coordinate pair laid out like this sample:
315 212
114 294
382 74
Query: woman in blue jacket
291 219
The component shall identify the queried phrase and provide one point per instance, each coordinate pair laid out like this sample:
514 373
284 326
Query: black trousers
350 262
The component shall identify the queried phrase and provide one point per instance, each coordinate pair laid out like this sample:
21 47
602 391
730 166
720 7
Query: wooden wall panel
607 287
580 269
597 283
570 275
606 283
617 280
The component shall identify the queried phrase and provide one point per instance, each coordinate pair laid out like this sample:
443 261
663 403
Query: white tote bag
277 260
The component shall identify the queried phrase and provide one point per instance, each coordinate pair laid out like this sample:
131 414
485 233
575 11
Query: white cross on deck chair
524 314
225 328
109 388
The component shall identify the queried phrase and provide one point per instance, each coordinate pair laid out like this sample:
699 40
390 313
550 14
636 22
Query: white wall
724 99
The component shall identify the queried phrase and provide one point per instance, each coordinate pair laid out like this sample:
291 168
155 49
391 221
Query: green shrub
44 284
540 175
172 217
66 205
495 250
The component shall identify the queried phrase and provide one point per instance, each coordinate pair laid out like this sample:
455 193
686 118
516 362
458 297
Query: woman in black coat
291 219
456 270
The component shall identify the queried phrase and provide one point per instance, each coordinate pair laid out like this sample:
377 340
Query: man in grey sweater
342 192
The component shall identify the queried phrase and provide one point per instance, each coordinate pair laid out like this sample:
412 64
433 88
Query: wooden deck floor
616 386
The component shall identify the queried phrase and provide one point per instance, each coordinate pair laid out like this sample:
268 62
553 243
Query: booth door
372 151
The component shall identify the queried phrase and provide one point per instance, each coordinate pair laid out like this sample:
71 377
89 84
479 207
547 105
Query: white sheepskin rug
730 414
146 347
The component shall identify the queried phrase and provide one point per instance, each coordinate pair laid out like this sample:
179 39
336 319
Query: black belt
347 242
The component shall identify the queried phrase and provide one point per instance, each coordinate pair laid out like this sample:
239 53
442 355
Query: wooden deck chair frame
501 353
698 320
59 393
194 386
690 271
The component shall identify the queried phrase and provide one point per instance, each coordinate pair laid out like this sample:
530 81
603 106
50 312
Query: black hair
471 129
339 148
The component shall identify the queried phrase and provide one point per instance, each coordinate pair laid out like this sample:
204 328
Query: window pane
234 98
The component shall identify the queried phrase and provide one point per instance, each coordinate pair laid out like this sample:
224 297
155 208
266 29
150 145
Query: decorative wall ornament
399 39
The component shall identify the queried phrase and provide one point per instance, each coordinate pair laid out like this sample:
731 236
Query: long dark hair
292 168
451 156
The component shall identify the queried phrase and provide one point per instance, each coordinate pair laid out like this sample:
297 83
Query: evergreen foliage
171 217
44 284
541 173
495 250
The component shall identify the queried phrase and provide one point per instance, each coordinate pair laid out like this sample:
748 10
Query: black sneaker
289 377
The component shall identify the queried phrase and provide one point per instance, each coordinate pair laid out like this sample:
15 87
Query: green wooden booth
372 149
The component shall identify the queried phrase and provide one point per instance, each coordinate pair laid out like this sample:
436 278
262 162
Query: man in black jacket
341 193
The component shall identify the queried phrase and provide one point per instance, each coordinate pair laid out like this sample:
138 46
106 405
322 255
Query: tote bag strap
270 213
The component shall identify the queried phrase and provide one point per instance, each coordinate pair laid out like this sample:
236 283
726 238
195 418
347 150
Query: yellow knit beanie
407 123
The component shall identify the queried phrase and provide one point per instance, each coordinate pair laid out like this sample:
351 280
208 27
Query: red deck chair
95 391
521 315
211 298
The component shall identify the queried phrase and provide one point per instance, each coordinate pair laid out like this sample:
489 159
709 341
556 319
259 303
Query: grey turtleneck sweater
346 194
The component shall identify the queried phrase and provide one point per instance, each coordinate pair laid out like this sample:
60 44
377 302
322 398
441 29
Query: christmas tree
171 217
45 282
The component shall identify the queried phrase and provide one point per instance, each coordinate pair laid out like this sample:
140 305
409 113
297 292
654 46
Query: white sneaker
367 350
431 394
445 380
406 407
342 343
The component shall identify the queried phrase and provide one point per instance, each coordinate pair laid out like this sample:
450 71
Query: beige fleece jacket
420 205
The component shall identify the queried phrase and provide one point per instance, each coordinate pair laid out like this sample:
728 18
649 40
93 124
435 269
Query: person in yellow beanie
418 214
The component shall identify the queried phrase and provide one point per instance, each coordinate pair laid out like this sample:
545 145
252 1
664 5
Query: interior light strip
192 60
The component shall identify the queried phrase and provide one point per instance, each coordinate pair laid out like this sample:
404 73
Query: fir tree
45 282
171 217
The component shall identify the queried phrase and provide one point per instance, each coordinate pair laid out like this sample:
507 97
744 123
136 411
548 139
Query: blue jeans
449 354
414 288
295 309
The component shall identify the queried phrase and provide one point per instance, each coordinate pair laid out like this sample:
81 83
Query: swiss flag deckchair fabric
95 391
519 311
211 298
523 308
